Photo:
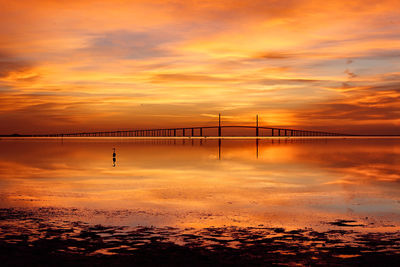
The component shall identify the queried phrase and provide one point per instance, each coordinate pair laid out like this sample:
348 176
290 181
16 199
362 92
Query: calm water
289 183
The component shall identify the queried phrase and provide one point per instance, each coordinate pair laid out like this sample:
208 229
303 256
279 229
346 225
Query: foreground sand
28 238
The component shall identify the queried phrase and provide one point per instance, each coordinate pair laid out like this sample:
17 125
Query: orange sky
71 65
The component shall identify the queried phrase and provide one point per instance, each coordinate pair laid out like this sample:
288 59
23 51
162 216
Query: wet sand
44 237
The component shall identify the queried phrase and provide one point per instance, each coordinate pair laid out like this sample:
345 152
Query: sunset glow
69 66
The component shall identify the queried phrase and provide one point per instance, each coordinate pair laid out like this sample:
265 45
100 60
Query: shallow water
326 184
287 182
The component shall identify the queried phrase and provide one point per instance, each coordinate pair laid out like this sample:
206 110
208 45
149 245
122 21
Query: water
291 182
297 183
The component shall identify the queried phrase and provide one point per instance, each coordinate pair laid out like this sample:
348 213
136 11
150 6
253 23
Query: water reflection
202 182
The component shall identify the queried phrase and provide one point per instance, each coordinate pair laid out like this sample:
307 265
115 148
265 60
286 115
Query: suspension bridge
199 131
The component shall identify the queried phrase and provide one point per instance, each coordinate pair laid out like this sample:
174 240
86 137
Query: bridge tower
257 125
219 124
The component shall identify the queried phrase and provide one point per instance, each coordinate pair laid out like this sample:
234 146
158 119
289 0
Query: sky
70 66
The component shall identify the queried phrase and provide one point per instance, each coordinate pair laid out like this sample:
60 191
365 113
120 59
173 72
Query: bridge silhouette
198 131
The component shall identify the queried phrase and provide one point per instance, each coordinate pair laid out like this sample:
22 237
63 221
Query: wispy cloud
80 64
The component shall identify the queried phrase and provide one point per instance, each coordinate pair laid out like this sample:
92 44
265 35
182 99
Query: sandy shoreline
26 238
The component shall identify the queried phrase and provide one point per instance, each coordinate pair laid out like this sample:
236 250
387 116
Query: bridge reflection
218 144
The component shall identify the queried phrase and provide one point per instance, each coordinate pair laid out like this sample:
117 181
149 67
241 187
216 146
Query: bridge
199 131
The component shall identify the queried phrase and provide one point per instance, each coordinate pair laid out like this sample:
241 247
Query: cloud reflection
287 180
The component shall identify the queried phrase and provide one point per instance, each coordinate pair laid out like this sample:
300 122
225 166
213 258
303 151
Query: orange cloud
79 65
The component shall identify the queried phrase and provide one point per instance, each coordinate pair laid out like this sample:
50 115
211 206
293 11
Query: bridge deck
194 131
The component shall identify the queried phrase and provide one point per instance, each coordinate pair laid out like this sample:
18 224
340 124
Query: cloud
189 77
10 64
350 74
288 81
129 45
370 110
275 55
81 63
